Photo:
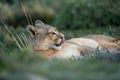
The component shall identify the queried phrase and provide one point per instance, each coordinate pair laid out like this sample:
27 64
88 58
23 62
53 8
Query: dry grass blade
30 19
24 39
15 39
27 15
20 40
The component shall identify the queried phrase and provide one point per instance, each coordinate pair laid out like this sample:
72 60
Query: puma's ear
33 30
39 24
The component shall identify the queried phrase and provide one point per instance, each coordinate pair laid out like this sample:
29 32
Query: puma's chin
57 47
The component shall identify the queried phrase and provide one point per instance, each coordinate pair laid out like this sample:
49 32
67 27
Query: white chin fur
57 47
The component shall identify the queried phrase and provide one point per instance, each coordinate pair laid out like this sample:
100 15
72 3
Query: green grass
25 65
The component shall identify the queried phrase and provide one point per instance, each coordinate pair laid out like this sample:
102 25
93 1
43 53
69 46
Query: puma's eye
53 33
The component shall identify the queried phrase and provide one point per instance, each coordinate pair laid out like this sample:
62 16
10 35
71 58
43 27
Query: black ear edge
31 30
29 27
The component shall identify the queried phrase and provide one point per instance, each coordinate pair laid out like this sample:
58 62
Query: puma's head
44 37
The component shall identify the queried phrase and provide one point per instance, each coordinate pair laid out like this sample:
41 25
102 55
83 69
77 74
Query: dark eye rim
53 33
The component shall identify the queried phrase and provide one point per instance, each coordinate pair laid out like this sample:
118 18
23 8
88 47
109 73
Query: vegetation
28 66
89 14
76 18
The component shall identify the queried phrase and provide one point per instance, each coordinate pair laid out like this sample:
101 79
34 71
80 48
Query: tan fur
105 42
116 40
49 42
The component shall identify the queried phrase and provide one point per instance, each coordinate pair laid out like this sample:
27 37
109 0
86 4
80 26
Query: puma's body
49 42
71 49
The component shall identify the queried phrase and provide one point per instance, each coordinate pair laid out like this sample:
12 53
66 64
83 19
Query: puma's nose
61 37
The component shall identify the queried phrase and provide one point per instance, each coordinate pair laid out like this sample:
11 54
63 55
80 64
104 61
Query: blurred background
74 18
79 15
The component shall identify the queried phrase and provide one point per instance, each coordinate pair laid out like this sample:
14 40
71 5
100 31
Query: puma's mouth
57 45
62 41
